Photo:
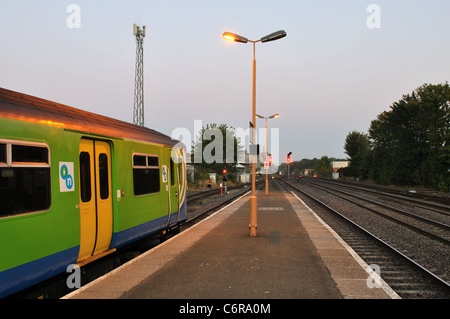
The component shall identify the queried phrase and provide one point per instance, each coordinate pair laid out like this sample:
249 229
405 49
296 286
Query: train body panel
68 192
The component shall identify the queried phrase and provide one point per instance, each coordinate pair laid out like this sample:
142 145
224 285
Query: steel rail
414 228
418 202
396 251
216 206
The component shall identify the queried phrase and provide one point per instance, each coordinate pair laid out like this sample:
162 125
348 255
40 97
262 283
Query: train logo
65 177
164 173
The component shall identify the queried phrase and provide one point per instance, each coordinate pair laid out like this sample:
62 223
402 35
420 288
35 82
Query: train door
96 215
174 192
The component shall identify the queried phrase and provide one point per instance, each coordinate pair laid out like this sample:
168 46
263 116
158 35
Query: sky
340 65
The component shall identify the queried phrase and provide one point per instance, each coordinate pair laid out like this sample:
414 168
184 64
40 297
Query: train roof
25 107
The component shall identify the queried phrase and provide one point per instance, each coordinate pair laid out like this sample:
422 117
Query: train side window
25 185
3 153
145 174
152 161
103 174
139 160
85 177
29 154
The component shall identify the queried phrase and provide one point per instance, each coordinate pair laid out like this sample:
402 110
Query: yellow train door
96 215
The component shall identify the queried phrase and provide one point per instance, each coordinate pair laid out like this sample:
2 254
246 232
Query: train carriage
75 186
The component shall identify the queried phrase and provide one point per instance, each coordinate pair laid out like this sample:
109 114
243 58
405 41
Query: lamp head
234 37
274 36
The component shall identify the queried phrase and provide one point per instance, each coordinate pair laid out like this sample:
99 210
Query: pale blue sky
329 76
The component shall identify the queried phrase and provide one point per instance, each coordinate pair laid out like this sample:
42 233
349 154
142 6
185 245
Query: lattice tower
138 112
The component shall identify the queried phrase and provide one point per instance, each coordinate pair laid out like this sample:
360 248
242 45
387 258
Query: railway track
426 226
196 216
196 195
411 194
436 204
409 277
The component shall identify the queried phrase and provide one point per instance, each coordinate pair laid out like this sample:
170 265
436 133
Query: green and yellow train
75 186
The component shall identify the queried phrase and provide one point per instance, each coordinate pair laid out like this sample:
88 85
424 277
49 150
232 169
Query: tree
324 169
218 147
411 141
357 147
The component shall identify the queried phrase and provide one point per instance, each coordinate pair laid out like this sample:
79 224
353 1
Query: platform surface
294 256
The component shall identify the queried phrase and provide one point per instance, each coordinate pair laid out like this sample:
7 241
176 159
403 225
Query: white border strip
372 274
92 283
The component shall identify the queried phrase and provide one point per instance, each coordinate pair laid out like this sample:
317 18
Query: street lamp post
267 170
237 38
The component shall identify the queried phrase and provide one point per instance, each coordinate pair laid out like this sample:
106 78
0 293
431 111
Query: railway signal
288 160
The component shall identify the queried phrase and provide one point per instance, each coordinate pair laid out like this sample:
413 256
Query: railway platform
294 256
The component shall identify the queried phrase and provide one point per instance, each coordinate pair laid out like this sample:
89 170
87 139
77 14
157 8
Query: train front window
24 178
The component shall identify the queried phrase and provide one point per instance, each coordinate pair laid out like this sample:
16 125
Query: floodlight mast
138 111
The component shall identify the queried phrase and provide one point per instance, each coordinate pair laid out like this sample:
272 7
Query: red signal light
224 171
288 158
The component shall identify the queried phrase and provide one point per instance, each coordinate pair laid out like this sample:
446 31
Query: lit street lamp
237 38
267 169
